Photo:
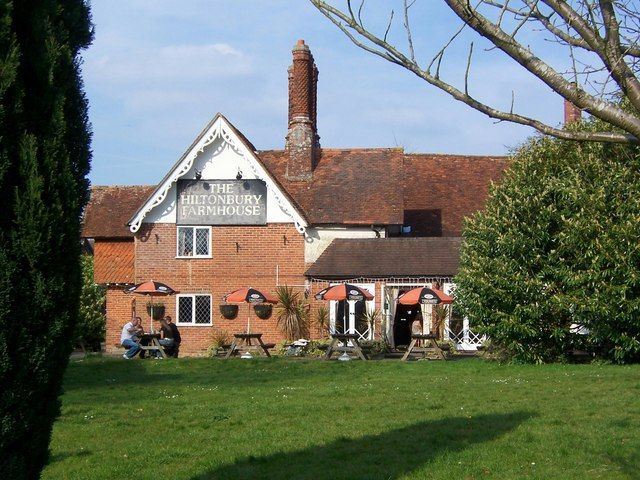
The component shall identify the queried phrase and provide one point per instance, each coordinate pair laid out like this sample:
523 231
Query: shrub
558 246
218 339
292 313
90 328
322 320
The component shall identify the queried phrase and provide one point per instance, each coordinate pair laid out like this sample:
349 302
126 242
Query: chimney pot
571 113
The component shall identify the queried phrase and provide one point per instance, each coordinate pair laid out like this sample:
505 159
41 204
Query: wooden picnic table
150 342
243 341
345 339
430 346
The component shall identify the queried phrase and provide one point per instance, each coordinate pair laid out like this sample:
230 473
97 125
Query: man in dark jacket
170 337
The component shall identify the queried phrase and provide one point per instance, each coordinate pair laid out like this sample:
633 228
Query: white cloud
170 63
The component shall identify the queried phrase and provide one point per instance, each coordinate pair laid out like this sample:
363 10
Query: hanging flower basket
155 310
229 311
263 311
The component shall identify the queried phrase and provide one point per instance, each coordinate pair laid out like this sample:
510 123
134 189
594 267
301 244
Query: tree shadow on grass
388 455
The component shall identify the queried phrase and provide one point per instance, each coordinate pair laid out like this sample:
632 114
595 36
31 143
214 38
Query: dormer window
193 242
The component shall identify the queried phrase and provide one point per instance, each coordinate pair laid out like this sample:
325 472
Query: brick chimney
571 113
302 141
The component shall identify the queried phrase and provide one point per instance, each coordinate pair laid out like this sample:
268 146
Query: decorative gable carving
218 128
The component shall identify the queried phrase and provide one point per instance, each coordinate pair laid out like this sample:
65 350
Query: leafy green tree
558 246
90 328
44 160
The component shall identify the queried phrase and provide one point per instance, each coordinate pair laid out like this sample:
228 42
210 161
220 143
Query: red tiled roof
388 257
350 186
113 261
440 190
430 192
110 208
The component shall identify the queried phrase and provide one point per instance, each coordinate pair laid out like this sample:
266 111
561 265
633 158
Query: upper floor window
194 242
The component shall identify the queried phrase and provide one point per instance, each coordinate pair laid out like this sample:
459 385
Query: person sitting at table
129 337
170 337
416 327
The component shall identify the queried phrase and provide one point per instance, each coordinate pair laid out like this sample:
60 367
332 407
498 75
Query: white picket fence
465 339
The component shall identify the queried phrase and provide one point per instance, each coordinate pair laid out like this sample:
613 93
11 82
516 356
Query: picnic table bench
345 339
150 342
244 341
426 346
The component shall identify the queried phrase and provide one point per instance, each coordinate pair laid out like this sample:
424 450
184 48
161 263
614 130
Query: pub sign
221 202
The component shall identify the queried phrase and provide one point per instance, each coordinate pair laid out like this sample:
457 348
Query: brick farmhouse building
227 216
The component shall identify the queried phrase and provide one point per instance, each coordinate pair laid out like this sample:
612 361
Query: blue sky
159 70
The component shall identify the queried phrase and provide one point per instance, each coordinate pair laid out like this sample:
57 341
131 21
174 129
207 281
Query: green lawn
292 419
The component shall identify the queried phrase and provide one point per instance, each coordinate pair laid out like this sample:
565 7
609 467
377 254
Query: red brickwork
120 309
571 113
302 138
243 256
113 261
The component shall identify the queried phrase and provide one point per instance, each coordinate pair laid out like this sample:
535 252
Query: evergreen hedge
558 245
44 160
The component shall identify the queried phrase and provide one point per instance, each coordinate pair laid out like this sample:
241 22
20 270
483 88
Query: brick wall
119 311
243 256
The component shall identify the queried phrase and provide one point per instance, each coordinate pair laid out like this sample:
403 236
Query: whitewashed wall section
318 239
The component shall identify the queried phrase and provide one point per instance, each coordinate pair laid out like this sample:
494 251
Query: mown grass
297 419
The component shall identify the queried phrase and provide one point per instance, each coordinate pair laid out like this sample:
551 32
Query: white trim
193 310
194 227
350 323
220 128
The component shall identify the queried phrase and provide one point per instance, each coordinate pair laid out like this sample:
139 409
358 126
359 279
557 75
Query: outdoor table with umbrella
250 296
345 291
424 296
152 289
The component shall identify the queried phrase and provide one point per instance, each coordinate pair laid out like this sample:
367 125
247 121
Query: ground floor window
193 310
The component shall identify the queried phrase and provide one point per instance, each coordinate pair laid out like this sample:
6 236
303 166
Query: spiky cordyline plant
292 313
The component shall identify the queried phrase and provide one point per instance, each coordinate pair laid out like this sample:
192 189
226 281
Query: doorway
402 322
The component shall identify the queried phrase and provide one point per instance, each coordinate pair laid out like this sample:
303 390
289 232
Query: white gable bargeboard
217 154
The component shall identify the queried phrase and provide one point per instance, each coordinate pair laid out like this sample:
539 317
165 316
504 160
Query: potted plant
263 310
229 311
156 310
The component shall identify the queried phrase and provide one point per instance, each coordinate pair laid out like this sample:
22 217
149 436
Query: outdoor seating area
344 341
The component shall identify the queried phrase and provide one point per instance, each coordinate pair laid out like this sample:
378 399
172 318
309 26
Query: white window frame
193 310
193 247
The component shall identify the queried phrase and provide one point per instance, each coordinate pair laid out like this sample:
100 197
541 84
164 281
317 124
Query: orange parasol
153 289
248 295
344 291
424 296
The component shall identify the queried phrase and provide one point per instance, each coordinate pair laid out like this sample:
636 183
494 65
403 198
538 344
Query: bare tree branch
600 28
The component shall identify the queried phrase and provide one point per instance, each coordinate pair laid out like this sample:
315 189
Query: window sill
194 324
193 257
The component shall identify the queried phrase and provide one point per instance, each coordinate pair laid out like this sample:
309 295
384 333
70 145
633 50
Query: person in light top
129 339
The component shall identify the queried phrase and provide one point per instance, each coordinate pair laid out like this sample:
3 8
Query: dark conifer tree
44 160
